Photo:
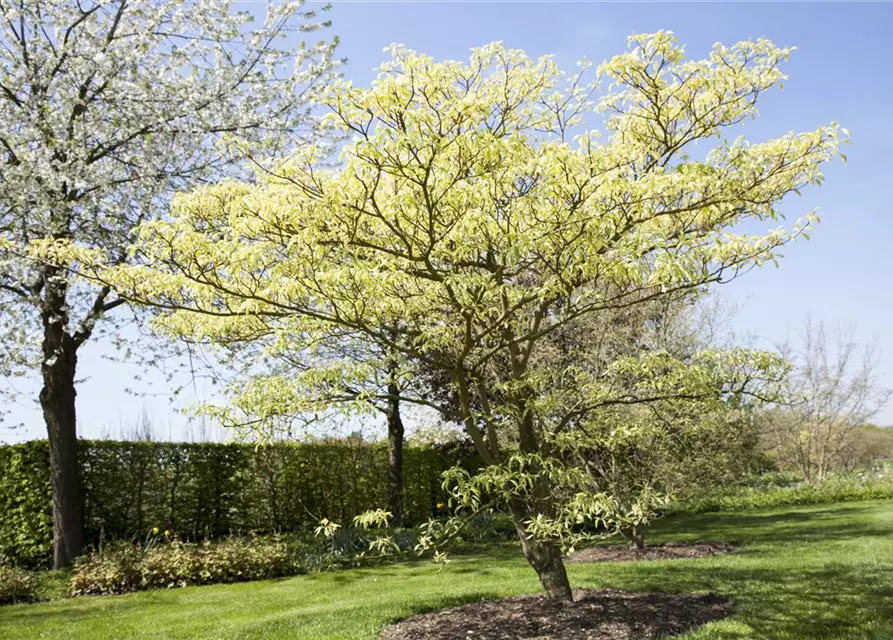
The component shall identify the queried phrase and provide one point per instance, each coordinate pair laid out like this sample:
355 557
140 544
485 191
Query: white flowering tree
466 226
107 107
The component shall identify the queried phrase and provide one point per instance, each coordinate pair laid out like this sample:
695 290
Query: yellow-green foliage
475 208
474 212
177 564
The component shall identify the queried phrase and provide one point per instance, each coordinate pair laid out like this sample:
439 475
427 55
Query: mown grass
805 573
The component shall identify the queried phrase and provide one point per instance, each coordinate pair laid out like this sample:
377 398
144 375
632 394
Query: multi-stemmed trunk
395 456
543 556
57 401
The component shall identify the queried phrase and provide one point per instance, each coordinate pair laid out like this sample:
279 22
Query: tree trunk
395 456
545 558
57 400
635 535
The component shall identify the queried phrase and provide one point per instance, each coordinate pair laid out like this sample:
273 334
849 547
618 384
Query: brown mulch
594 615
666 551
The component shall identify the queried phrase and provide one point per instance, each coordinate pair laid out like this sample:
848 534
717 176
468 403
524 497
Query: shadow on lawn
830 603
800 591
796 591
794 526
67 609
447 602
783 582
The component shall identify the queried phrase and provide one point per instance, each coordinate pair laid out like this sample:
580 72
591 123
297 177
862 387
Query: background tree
665 448
869 446
833 392
464 209
289 384
106 107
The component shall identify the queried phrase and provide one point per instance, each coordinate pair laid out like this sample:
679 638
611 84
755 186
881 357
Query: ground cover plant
16 585
164 563
801 573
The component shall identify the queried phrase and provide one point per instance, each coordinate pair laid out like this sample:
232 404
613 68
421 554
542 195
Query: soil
593 615
666 551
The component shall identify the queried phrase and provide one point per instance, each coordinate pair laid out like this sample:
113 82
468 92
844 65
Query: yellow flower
167 532
440 505
154 529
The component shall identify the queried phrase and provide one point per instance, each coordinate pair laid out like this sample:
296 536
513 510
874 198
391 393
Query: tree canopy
474 214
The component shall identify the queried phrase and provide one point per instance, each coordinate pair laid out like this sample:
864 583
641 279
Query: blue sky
841 72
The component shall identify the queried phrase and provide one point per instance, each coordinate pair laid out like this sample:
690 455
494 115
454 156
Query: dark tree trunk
635 535
57 400
395 456
545 558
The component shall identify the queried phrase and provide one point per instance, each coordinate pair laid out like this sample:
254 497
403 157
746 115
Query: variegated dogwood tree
106 108
475 214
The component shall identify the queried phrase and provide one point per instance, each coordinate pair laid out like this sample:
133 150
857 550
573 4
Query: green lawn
804 572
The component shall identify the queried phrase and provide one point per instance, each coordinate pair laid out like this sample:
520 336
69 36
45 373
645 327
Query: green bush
783 490
170 563
17 585
209 490
126 567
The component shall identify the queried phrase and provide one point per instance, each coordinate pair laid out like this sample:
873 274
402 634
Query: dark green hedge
208 489
26 520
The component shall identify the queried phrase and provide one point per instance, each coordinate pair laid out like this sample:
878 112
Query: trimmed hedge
209 490
26 517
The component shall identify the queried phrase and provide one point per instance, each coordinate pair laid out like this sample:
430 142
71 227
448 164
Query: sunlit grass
819 572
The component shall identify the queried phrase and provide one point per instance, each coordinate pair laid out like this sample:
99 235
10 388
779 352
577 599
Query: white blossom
109 106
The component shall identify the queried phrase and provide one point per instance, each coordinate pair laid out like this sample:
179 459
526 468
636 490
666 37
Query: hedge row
208 490
842 488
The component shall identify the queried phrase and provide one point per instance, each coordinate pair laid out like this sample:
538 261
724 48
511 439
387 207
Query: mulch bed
594 615
666 551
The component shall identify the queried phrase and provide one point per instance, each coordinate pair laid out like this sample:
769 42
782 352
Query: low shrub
166 563
17 585
114 570
783 490
121 568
